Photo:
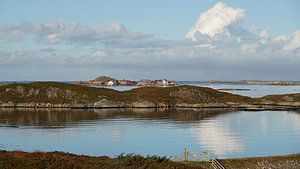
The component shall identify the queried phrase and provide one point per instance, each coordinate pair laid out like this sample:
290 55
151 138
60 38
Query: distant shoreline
233 89
179 82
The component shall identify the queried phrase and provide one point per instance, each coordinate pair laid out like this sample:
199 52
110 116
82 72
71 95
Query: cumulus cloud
216 47
220 27
216 20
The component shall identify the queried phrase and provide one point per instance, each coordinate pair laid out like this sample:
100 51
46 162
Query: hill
54 94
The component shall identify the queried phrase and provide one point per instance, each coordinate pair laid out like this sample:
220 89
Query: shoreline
21 159
250 107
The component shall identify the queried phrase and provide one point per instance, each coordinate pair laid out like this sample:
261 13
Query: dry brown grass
70 93
60 160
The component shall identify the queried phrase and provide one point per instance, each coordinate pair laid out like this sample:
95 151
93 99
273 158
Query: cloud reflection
219 139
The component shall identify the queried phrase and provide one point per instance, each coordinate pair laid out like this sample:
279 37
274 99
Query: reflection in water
221 140
151 131
69 117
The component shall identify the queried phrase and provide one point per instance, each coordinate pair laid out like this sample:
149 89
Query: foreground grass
60 160
272 162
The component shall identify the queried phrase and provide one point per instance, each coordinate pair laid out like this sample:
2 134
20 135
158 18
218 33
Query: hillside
54 94
286 99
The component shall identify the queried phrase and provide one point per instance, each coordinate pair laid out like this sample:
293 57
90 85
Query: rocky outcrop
143 104
104 103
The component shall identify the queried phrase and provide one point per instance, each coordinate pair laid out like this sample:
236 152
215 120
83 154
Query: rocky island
63 95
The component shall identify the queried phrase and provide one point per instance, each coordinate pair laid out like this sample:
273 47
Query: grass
60 160
280 162
66 93
282 98
62 93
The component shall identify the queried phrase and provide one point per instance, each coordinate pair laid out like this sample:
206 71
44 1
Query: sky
138 39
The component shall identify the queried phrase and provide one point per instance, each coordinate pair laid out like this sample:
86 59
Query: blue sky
175 39
170 18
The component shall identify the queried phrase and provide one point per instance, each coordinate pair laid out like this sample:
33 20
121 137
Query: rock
20 90
69 94
143 104
8 105
268 102
288 98
36 92
30 93
8 89
217 105
104 103
52 92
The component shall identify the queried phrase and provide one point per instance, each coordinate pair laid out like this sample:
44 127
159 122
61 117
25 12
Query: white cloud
294 42
59 31
14 32
216 20
219 47
281 38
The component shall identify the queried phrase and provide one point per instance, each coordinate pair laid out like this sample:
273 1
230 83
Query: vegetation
282 98
183 94
60 160
83 96
104 79
53 92
278 162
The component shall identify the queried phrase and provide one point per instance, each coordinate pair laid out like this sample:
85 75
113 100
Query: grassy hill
54 92
82 96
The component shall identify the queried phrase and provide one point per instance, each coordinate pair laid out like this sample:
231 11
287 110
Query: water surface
151 132
252 90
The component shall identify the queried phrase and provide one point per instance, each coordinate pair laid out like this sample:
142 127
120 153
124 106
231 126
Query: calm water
164 132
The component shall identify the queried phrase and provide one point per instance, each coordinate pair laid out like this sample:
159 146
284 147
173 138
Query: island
258 82
64 95
109 81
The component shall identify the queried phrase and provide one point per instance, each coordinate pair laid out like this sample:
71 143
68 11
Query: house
145 82
162 83
108 81
111 83
126 83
